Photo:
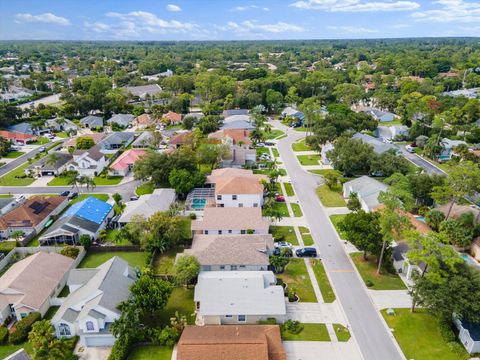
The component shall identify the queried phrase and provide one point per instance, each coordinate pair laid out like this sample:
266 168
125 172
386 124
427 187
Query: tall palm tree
75 181
52 159
90 183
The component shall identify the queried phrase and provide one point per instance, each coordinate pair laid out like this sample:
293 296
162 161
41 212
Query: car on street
282 244
410 148
306 252
133 198
65 193
42 149
260 144
72 195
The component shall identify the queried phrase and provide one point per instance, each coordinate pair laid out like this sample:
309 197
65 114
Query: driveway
92 353
420 162
385 299
315 350
329 313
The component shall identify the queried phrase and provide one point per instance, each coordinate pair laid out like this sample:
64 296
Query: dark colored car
306 252
269 143
73 195
65 193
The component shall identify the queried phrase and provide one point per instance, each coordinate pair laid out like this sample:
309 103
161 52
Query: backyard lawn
145 188
134 258
331 197
180 300
163 263
301 146
419 336
284 233
310 332
342 332
289 189
13 154
151 352
296 276
335 219
297 211
322 280
306 236
368 272
309 159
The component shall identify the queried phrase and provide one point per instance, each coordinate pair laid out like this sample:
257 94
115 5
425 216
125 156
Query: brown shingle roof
144 119
172 117
246 342
231 218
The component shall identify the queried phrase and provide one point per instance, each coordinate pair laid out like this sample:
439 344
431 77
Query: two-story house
89 162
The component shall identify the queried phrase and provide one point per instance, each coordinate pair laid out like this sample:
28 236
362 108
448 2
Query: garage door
92 341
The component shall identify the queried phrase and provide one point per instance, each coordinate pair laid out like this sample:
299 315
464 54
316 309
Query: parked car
283 244
133 198
306 252
260 144
42 149
51 136
279 198
388 140
283 251
65 193
264 157
73 195
269 143
409 148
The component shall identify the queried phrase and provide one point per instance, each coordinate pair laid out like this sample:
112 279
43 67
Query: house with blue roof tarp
87 217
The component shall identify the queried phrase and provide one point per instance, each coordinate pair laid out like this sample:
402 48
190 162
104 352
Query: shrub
120 350
292 326
3 334
193 216
369 283
85 240
168 336
70 251
23 327
7 246
268 321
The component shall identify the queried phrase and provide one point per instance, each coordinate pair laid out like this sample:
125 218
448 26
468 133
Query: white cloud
401 26
249 7
138 21
173 8
97 27
355 5
254 27
48 18
451 11
352 29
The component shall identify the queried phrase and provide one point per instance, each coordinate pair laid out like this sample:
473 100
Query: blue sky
235 19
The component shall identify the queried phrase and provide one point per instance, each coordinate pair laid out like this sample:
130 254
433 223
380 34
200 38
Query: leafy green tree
163 232
274 100
183 181
212 154
150 294
352 156
331 178
45 345
84 142
85 240
4 146
349 94
353 203
186 269
434 218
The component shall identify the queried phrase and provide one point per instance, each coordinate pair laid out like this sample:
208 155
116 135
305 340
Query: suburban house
124 163
378 146
17 137
469 335
237 118
238 297
172 118
92 122
147 205
45 166
237 187
292 112
143 141
32 215
122 120
231 220
95 136
367 190
89 162
247 252
448 147
252 342
180 139
379 115
237 124
115 141
323 153
87 217
29 284
91 307
143 121
232 112
27 128
240 146
144 91
58 124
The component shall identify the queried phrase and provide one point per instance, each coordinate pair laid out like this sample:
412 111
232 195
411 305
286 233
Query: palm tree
75 180
90 183
52 159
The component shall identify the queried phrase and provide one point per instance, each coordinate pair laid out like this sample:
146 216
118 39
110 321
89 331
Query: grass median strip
300 146
289 189
297 211
306 236
322 280
336 219
343 334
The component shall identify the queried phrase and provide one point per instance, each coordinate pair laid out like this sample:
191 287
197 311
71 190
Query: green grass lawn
323 172
301 129
368 272
275 153
6 196
186 228
419 336
42 140
306 236
310 332
262 150
342 332
289 189
309 159
151 352
163 263
322 280
301 146
284 233
135 258
50 312
62 134
60 181
112 238
13 154
103 197
331 197
282 207
296 276
108 180
297 211
273 134
180 300
10 179
6 350
335 219
278 188
145 188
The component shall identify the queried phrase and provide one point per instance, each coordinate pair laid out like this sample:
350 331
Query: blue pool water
467 259
420 218
198 203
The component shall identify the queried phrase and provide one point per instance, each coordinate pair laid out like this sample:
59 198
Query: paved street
374 339
420 162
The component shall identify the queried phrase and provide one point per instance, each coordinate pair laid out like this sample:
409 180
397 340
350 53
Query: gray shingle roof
92 121
117 138
121 119
378 146
62 159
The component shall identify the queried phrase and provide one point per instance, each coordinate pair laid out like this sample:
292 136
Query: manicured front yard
289 189
309 159
322 280
60 181
335 219
331 197
306 236
273 134
151 352
107 180
11 179
296 276
297 211
301 146
342 332
282 208
145 188
14 154
284 233
419 336
42 140
310 332
135 258
368 272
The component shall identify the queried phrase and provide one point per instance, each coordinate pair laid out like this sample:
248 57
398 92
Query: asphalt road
373 338
420 162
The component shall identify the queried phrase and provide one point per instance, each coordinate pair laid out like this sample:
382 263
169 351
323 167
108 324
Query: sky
235 19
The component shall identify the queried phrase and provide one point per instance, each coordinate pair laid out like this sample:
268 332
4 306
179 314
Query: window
23 315
229 231
206 232
219 232
64 330
242 266
222 267
234 197
219 197
240 205
90 326
234 267
255 205
228 316
241 318
242 231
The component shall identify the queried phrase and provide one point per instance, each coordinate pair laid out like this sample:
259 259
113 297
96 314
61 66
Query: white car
410 149
283 244
264 157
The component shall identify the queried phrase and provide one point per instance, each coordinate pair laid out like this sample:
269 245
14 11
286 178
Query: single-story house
89 162
44 166
92 122
58 124
379 115
231 112
122 120
32 215
247 252
115 141
29 284
238 124
469 335
367 190
124 163
240 145
87 217
378 146
147 205
237 118
231 220
238 297
252 342
172 118
91 307
17 137
180 139
27 128
143 141
448 148
144 91
323 153
95 136
292 112
143 121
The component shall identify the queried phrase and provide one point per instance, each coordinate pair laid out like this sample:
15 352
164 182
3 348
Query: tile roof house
124 163
231 220
122 120
92 122
87 217
115 141
172 118
240 145
143 121
91 307
17 137
237 187
238 297
180 139
29 284
44 167
378 146
232 252
252 342
147 205
144 91
89 162
32 215
367 190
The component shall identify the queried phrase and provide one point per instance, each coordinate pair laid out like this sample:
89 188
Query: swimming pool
198 204
467 259
420 218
